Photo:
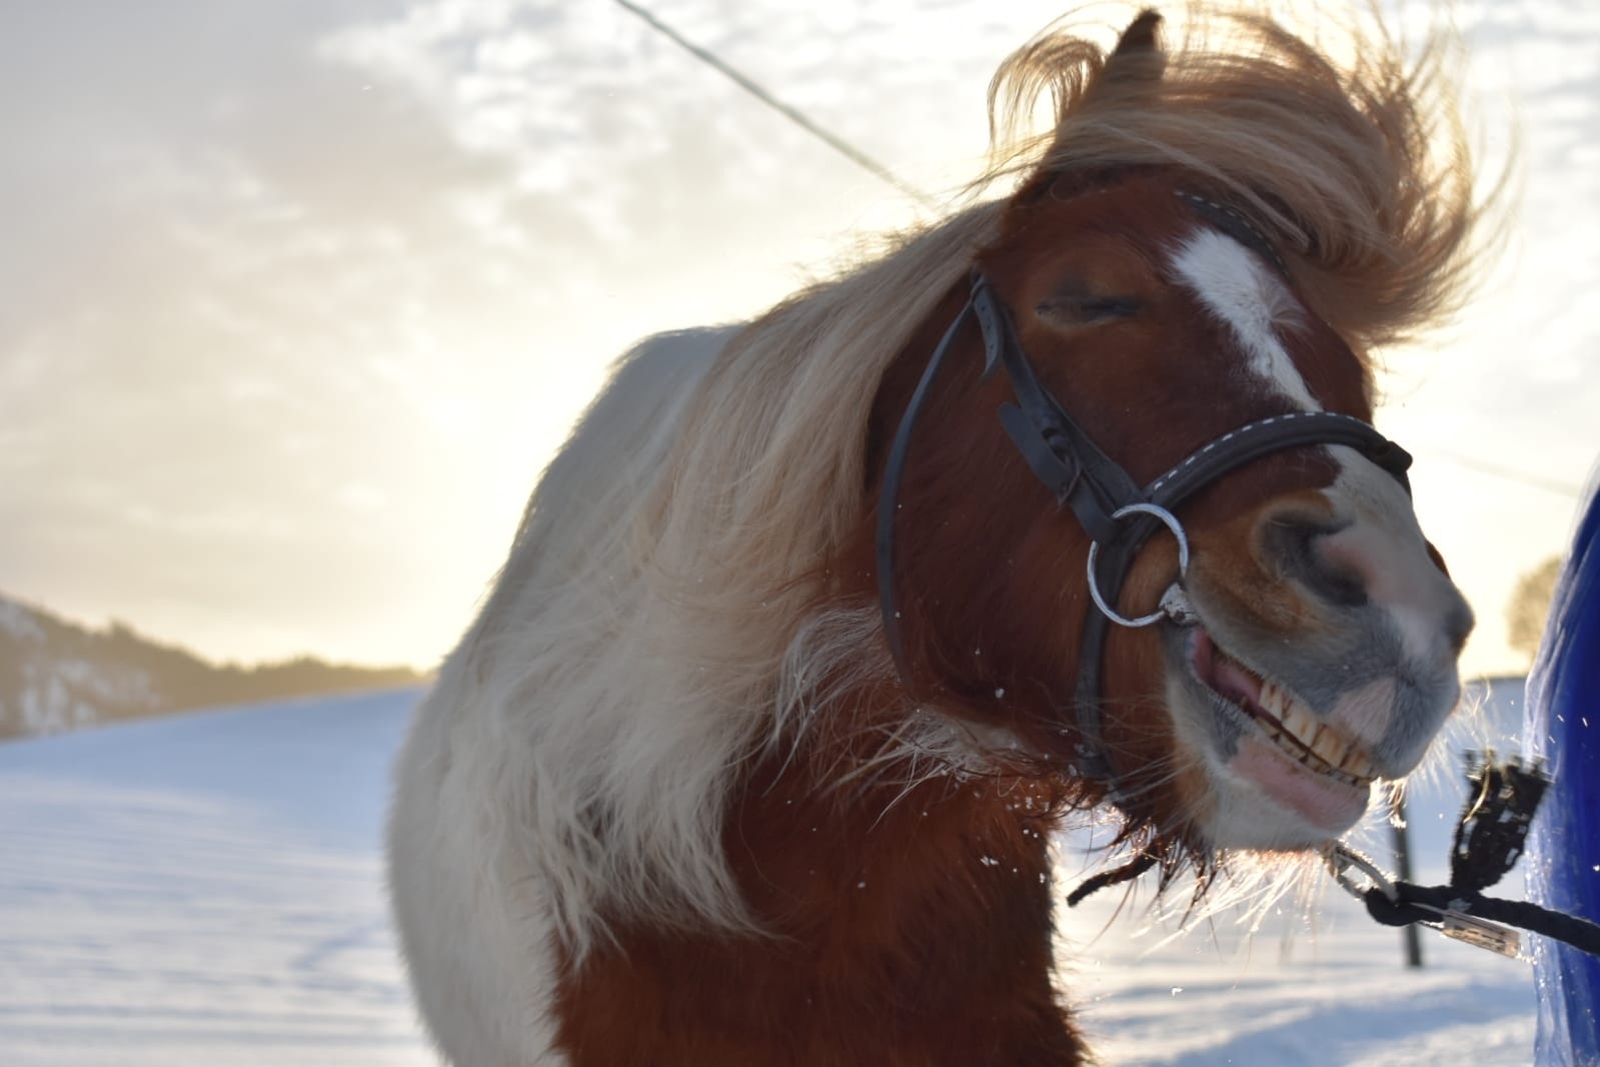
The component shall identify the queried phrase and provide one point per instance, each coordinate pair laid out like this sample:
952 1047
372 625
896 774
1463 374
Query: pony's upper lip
1282 717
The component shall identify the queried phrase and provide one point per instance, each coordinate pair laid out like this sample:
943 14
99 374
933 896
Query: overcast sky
296 298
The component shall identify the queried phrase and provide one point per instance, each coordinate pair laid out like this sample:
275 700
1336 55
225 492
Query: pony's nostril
1298 546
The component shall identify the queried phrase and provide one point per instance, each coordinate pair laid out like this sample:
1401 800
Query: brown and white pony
736 769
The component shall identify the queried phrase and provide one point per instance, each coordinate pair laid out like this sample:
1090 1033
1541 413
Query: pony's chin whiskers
1242 891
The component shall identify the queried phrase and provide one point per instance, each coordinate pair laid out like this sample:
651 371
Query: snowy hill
56 676
207 889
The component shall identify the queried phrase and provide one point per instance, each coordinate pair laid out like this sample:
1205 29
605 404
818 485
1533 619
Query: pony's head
877 516
1177 306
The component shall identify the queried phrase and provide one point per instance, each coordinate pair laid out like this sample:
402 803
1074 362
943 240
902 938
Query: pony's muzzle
1351 566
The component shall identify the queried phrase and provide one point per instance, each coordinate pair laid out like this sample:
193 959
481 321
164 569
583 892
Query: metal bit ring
1171 522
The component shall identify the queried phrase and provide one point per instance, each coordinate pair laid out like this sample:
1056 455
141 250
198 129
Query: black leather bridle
1118 514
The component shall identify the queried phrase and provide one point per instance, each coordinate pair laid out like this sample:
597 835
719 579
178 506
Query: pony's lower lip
1320 800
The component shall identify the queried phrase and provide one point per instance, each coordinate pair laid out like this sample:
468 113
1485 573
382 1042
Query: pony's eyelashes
1082 309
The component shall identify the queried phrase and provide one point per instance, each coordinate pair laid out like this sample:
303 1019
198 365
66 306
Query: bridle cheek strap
1060 454
1082 477
889 496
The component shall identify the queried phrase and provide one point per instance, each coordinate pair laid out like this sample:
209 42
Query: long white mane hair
662 605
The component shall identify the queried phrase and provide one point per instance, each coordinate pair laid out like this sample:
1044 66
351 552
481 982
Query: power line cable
794 115
1510 474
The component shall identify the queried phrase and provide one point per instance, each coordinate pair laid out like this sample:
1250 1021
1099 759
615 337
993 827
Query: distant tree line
56 675
1529 606
187 681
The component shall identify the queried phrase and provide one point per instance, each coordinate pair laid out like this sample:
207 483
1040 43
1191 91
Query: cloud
234 272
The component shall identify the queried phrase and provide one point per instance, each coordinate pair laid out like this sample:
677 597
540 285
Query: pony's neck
908 924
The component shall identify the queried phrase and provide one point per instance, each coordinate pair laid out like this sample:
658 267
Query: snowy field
208 890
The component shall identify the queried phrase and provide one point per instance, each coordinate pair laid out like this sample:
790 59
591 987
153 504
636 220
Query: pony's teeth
1317 745
1325 749
1299 722
1357 763
1326 744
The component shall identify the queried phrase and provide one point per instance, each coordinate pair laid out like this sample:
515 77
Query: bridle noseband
1117 513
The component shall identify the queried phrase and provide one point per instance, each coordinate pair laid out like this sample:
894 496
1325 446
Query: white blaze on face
1244 293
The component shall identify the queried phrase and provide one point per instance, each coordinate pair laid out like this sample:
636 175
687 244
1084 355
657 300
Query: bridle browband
1114 510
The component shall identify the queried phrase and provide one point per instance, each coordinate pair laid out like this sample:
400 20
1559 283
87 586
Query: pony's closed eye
1087 310
1109 291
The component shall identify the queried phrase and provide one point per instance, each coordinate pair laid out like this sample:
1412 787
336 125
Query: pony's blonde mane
1351 156
666 610
768 478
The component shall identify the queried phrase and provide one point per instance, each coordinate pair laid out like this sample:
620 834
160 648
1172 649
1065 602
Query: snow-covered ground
208 890
203 890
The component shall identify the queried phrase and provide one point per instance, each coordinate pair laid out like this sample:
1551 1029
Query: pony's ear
1138 58
1135 64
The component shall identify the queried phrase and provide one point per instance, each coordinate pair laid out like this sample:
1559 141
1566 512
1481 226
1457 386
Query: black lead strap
1502 801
